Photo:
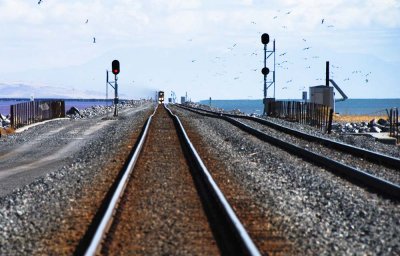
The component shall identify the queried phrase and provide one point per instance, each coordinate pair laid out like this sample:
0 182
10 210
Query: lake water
350 106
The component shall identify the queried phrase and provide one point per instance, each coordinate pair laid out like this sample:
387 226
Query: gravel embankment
389 174
320 213
44 216
362 141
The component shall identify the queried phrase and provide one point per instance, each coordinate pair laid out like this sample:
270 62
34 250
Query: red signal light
115 67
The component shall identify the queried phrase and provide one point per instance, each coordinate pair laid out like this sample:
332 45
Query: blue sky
205 48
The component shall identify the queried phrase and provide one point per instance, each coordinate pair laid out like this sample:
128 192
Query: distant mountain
18 90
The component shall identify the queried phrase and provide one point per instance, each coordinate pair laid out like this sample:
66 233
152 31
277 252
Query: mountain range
20 90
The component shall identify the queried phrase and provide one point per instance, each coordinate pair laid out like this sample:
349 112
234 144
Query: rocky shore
5 122
97 110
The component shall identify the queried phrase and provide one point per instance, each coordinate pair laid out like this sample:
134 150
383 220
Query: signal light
115 67
265 71
265 38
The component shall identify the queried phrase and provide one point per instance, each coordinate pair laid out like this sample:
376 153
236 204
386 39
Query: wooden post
330 121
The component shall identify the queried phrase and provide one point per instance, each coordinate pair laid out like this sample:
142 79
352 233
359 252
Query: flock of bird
283 64
284 54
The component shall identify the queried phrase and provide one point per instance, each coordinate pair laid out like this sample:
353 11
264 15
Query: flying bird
275 17
289 12
40 1
283 54
306 48
304 40
289 81
322 21
253 22
94 40
87 20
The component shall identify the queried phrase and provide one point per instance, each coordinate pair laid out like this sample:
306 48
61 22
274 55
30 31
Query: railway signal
115 67
265 38
265 71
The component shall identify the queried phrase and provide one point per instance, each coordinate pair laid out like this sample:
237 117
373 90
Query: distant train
160 97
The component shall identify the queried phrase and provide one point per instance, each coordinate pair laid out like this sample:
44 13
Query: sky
202 48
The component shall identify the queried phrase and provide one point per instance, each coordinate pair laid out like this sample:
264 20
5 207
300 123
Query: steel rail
232 237
380 185
230 234
95 238
372 156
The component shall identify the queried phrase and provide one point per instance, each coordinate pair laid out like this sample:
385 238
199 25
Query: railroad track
314 149
140 214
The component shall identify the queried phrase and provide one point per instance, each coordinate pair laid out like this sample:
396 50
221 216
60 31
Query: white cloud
19 11
183 22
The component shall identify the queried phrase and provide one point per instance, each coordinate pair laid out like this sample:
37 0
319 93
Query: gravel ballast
33 216
320 212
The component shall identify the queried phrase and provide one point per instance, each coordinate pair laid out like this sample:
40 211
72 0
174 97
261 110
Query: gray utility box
323 95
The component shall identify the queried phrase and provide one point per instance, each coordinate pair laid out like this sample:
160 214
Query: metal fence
35 111
302 112
394 124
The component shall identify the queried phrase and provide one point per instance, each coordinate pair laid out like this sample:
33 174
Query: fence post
26 113
397 125
62 108
12 116
330 121
391 126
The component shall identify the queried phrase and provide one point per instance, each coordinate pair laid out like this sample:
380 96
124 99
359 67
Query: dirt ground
356 118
